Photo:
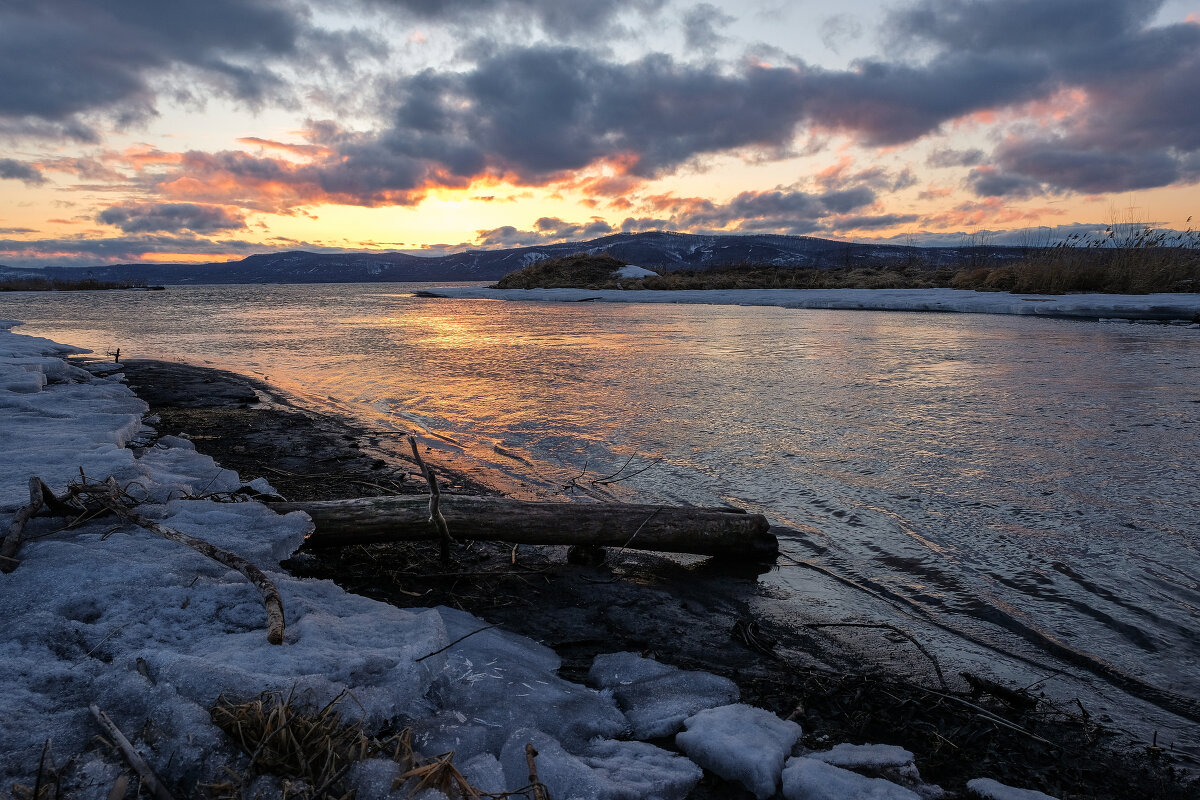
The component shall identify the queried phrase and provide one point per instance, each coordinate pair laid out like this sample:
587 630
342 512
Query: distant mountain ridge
657 250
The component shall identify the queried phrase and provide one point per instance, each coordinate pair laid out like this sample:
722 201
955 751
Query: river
1022 494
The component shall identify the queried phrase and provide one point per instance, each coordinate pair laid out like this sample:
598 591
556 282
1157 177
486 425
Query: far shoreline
1161 307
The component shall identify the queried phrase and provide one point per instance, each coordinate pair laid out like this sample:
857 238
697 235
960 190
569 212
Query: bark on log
670 529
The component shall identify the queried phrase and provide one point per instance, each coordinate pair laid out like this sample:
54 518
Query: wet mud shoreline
689 612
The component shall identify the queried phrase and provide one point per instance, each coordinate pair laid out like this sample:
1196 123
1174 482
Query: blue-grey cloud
171 218
63 61
990 182
557 17
11 169
702 24
949 157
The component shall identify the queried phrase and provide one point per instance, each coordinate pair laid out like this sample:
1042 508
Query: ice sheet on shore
657 698
1173 306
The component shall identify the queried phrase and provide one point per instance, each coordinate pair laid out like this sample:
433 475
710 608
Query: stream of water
1024 492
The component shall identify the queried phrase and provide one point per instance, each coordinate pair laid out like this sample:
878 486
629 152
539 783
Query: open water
1021 494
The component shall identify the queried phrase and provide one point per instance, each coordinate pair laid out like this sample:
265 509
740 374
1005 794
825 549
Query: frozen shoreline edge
1151 307
192 632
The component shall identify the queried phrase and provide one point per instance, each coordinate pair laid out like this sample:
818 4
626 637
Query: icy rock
879 760
810 779
501 681
657 698
175 441
373 778
452 730
989 789
740 743
484 773
564 775
640 771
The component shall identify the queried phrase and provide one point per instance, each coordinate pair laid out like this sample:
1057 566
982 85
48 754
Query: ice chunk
501 681
876 756
990 789
610 670
453 730
810 779
657 698
640 771
484 773
565 776
740 743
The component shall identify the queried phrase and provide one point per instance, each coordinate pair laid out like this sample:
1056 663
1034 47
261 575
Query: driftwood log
668 529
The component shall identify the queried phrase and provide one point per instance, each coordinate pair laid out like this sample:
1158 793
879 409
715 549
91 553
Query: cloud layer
1064 97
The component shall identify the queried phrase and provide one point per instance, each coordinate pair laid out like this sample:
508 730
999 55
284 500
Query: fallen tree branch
108 494
139 765
12 540
669 529
435 512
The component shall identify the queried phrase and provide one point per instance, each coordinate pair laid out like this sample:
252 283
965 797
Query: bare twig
936 666
139 765
435 513
456 641
539 788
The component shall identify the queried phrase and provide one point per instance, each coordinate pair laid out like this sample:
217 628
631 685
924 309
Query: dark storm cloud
780 211
171 218
869 222
1065 163
11 169
990 182
1133 125
546 230
537 111
60 59
534 114
560 17
949 157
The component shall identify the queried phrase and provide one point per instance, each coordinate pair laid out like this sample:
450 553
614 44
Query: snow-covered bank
153 634
1085 306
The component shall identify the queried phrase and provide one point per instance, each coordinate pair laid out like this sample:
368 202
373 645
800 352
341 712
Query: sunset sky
141 130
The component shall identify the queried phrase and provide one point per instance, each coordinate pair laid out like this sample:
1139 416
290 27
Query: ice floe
1166 306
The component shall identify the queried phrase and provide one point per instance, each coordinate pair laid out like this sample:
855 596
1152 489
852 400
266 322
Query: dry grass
580 270
284 738
312 749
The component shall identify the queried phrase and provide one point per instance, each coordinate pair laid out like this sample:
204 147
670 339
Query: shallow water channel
1021 494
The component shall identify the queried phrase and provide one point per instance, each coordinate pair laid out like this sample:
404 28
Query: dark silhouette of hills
656 250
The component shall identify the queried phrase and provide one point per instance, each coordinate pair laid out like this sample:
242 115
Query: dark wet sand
688 612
